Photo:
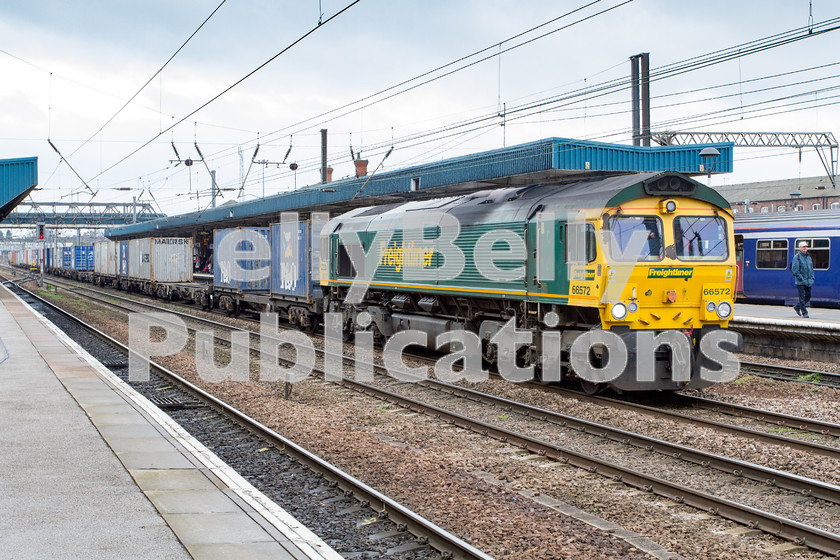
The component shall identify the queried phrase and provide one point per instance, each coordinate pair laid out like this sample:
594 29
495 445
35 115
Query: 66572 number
580 290
716 291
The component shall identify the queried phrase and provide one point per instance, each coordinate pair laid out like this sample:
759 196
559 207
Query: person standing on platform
802 268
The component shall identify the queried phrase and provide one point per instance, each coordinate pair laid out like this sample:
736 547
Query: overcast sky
67 67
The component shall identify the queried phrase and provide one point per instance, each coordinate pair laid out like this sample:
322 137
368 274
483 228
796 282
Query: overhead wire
153 76
319 118
667 71
680 67
226 90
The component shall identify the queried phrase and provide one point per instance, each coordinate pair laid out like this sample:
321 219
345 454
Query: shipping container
242 259
67 258
105 258
139 259
48 257
161 259
172 259
83 257
122 268
291 255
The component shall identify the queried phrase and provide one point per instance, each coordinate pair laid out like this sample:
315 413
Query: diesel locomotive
638 253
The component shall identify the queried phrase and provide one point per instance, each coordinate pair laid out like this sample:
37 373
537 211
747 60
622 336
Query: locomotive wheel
591 388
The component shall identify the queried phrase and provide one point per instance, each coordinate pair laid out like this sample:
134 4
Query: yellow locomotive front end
665 280
684 275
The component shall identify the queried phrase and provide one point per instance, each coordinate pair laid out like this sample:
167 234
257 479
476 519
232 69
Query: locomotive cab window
623 228
700 238
771 253
820 251
345 265
589 243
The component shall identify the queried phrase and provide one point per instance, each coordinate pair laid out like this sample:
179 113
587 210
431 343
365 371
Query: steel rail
440 539
766 475
778 418
788 373
757 414
770 523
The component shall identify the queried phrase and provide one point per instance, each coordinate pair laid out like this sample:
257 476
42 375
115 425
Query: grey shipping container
139 259
106 258
161 259
242 259
172 259
291 260
122 267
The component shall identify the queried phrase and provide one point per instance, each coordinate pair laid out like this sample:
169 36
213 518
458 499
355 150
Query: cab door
545 269
739 265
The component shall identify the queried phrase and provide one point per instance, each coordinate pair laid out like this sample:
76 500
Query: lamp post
708 154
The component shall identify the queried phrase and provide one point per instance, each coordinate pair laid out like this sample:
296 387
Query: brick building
784 195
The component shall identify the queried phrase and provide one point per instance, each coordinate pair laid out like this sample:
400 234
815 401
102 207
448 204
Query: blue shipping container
122 263
291 254
48 260
83 257
67 258
242 259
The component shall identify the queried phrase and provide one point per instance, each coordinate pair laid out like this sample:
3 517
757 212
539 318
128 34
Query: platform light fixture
708 154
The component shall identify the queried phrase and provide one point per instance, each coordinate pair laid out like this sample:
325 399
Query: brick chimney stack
361 167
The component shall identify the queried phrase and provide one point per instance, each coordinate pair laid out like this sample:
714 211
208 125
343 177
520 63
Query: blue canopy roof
17 179
551 159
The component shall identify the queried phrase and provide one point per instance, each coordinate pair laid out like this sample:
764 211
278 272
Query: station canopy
542 161
17 179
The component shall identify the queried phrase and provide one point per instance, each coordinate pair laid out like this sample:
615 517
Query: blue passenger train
765 245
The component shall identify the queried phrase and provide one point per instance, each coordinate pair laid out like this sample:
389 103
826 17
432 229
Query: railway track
774 524
776 419
787 373
425 531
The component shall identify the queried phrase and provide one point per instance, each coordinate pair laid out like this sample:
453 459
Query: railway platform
91 469
777 331
786 315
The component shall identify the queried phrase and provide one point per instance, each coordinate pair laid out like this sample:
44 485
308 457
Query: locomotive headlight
724 310
633 307
668 206
619 311
710 307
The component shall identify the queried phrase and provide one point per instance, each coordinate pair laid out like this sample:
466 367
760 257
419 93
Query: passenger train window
700 238
771 253
623 228
820 251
